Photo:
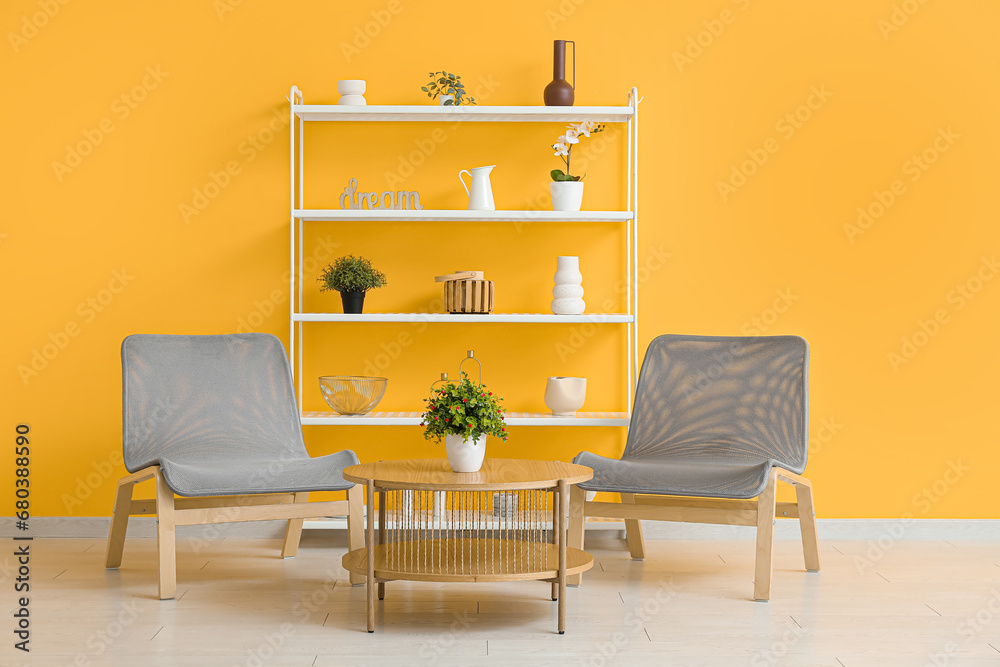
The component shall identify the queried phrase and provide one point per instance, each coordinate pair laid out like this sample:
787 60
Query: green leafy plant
465 408
443 83
564 147
351 274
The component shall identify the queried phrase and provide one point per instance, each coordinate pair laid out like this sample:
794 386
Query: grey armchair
214 419
717 422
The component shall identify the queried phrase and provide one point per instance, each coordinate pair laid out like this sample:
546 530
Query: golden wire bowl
352 394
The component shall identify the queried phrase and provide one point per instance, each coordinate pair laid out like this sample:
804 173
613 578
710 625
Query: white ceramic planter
352 100
442 98
565 395
465 455
567 295
352 86
352 92
566 195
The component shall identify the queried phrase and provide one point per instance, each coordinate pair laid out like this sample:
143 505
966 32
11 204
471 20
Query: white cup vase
465 455
567 294
565 395
566 195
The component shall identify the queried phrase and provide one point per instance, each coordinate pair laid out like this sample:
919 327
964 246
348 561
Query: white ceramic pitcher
481 191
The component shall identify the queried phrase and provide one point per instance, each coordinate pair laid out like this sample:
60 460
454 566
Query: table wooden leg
563 504
370 544
381 535
577 523
556 533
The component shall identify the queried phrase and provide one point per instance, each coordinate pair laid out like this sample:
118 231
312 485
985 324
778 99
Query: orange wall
826 108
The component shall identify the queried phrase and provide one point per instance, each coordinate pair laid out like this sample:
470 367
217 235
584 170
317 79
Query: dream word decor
400 200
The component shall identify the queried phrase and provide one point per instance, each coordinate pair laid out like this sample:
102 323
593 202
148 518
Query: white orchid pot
465 455
566 195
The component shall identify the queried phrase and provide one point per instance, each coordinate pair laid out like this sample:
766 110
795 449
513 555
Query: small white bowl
351 86
353 100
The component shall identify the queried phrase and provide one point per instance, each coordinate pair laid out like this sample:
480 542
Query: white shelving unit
301 113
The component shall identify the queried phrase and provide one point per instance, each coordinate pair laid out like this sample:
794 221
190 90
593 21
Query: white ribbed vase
567 295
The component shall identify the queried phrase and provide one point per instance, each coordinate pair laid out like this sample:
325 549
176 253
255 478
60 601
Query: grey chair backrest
738 399
207 398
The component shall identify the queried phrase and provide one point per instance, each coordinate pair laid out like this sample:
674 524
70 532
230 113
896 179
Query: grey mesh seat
214 419
717 421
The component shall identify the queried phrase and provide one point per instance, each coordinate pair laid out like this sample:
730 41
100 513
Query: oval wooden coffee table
506 522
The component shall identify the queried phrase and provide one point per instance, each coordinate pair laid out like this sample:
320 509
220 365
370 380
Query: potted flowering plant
566 189
464 413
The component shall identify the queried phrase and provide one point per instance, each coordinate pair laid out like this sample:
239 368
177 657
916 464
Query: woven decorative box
467 292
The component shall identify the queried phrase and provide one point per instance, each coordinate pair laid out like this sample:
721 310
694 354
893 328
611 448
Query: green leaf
449 103
424 88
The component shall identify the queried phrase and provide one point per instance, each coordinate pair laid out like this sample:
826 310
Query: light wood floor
922 603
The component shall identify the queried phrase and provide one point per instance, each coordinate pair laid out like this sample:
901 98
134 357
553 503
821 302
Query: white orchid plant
564 147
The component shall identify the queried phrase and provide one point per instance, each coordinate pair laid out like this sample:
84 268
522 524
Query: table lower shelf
467 559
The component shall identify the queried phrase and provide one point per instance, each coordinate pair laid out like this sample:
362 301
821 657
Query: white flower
568 138
582 128
561 149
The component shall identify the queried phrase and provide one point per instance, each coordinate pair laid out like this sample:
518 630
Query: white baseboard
785 529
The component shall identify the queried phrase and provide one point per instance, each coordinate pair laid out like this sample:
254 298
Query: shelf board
468 318
463 114
458 215
512 419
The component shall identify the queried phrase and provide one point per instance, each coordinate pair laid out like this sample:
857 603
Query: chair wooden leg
766 505
577 526
165 538
356 525
807 525
293 532
633 531
119 524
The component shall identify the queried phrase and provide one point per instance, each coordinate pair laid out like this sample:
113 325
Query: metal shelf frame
301 113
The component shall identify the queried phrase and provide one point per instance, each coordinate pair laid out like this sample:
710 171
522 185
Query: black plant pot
354 302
